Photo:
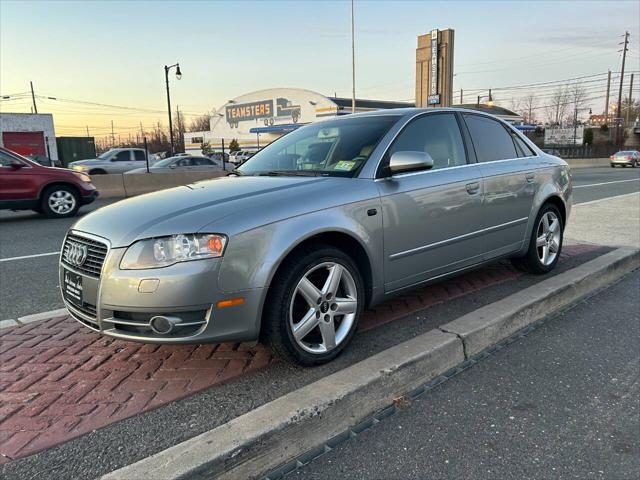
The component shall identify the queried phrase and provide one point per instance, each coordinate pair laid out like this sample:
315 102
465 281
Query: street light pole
166 79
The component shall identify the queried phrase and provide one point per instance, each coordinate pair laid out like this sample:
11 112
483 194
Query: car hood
208 204
86 161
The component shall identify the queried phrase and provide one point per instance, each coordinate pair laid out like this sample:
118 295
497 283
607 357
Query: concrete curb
281 430
34 317
488 325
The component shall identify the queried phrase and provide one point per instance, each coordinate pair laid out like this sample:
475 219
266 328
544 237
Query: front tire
545 244
60 201
313 306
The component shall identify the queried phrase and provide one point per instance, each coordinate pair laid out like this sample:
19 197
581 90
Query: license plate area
72 288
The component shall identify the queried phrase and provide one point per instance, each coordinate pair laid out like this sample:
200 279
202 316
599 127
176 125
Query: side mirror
16 165
173 165
402 162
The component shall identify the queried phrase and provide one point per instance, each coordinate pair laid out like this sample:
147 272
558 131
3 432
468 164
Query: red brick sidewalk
59 380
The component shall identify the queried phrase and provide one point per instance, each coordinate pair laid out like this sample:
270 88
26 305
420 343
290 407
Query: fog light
163 325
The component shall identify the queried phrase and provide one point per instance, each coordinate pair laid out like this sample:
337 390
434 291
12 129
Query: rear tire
60 201
545 243
306 330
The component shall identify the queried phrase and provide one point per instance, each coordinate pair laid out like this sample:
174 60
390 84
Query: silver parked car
319 225
625 157
116 160
181 163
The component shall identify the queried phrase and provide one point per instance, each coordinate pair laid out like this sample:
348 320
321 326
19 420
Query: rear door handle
473 188
530 176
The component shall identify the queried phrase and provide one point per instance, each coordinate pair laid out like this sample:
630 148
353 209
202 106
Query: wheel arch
60 183
553 198
341 240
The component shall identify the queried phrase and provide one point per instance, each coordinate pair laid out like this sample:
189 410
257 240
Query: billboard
564 136
285 111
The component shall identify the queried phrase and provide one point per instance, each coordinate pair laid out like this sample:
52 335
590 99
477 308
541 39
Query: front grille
89 311
96 253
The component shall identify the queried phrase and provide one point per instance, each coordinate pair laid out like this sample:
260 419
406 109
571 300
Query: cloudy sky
113 53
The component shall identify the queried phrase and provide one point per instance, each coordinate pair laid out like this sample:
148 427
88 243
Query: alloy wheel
548 238
61 202
323 307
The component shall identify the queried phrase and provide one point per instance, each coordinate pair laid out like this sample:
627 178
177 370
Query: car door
140 159
432 217
121 162
17 184
509 183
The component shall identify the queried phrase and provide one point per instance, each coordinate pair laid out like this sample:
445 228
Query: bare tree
577 97
178 131
529 104
515 104
200 124
557 106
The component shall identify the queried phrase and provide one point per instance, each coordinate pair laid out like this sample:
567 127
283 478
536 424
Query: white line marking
606 183
29 256
600 200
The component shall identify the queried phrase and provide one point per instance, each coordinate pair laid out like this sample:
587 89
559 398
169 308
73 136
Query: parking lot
29 243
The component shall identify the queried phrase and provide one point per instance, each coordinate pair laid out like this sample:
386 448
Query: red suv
54 192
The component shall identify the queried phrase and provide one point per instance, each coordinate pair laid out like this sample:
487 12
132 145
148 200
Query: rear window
490 139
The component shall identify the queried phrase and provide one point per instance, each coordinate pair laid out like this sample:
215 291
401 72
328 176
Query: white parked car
181 163
240 157
116 160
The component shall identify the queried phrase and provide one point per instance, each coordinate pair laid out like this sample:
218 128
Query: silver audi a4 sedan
321 224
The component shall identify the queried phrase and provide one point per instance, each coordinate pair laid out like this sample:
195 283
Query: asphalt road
30 285
562 403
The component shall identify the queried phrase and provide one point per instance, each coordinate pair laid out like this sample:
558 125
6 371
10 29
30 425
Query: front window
334 147
106 154
166 162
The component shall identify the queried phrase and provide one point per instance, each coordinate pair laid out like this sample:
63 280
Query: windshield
106 154
334 147
165 163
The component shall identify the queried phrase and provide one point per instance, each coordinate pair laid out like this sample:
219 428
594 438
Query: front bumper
121 303
89 198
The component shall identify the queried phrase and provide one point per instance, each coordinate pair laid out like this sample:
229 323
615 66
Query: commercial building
30 134
258 118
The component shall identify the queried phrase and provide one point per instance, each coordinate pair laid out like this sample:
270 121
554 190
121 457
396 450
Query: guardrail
121 185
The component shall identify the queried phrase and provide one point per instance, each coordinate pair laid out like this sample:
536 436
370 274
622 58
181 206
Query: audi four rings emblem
75 253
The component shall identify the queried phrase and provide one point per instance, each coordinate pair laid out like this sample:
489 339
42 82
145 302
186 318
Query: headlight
83 177
165 251
80 168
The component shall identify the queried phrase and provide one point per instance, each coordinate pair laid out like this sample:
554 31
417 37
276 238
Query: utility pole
619 110
461 96
113 137
606 102
141 131
630 100
88 131
33 98
353 63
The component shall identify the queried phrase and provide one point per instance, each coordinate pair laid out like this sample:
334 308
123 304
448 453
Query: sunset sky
113 53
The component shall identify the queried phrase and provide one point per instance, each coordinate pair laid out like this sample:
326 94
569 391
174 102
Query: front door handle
530 177
473 188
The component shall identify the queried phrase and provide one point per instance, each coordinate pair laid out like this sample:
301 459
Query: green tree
234 146
588 136
206 148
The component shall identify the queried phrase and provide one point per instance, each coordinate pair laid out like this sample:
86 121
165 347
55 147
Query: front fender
253 257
